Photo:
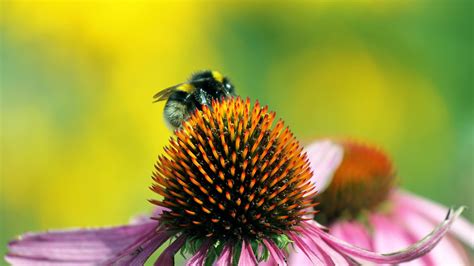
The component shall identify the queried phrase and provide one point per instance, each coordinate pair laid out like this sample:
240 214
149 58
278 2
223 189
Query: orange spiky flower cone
230 175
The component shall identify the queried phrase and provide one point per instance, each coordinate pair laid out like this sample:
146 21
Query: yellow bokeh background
80 133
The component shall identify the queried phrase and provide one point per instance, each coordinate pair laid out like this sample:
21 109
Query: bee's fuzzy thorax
230 174
362 181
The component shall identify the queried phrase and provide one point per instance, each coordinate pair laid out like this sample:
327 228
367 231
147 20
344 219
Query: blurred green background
80 134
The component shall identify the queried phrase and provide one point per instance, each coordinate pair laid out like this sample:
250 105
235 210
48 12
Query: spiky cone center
362 182
230 174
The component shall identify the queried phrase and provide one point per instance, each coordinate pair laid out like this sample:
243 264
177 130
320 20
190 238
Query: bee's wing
186 87
165 94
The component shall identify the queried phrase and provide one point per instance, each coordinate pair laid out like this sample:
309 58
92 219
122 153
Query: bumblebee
183 99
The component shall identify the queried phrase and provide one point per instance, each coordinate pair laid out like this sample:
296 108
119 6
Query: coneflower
235 189
231 179
362 182
361 205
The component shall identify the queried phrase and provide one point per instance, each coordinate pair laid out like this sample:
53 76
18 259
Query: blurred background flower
80 134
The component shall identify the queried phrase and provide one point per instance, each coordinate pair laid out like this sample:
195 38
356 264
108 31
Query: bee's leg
202 97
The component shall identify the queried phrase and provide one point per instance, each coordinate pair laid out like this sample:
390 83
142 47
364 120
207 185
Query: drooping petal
138 253
225 258
325 254
389 235
78 245
461 228
167 257
269 262
312 254
352 232
247 257
298 257
325 157
412 252
331 256
447 252
200 257
275 252
20 260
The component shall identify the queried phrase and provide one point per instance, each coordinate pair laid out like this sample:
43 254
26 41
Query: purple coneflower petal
354 233
247 257
21 260
461 228
167 257
141 250
81 245
414 251
275 252
143 218
333 257
311 253
326 254
226 257
389 235
447 252
200 257
325 157
297 257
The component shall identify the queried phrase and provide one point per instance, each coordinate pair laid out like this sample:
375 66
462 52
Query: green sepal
191 246
214 252
254 245
281 241
236 253
264 254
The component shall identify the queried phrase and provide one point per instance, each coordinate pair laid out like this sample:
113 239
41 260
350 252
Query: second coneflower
235 189
361 204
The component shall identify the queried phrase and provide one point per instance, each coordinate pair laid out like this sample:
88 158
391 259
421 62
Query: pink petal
80 245
167 257
312 254
389 235
144 218
462 228
226 257
412 252
332 257
325 157
138 253
269 262
298 257
352 232
325 254
247 257
447 252
158 210
14 260
275 252
200 257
